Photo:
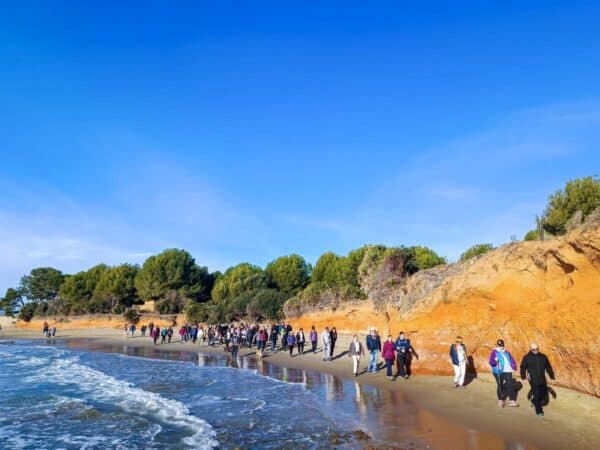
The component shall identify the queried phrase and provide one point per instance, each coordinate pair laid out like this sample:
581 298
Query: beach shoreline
572 419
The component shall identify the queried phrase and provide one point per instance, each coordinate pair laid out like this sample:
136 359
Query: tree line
178 284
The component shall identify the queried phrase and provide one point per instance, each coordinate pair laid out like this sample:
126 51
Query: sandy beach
572 419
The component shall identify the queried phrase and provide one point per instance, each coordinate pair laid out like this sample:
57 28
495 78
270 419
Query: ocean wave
105 388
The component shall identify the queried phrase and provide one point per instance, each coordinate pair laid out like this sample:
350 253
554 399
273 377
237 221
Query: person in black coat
533 368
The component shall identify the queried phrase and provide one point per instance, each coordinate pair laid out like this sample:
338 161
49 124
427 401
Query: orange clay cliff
546 292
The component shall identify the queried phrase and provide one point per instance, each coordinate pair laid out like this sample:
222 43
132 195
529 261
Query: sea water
55 397
80 394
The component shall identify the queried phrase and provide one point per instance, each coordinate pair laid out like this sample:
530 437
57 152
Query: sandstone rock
542 291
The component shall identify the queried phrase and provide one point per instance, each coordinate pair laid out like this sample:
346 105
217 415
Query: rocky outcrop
542 291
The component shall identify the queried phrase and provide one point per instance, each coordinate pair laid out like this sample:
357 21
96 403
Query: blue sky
242 131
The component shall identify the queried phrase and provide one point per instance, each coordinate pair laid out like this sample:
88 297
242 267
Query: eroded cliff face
96 321
544 292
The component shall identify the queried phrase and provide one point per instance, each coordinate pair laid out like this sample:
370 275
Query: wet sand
445 417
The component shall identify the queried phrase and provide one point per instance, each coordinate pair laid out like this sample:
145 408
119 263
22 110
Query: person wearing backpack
503 365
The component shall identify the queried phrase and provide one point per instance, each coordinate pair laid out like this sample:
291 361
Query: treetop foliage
581 194
476 250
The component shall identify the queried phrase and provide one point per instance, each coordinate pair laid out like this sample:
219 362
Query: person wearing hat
533 368
458 355
503 365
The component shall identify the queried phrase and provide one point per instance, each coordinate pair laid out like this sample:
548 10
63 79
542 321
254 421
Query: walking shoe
456 385
513 404
501 403
540 414
406 377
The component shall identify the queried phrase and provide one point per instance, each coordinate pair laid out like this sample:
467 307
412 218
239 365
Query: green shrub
532 235
27 312
425 258
132 316
195 312
476 250
267 304
581 194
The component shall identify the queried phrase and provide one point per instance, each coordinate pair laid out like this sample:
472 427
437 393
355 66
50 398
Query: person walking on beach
132 329
291 342
326 341
389 355
503 365
458 356
300 340
163 335
143 330
273 337
154 335
45 329
404 351
374 347
235 345
284 338
261 341
314 338
355 351
533 368
334 337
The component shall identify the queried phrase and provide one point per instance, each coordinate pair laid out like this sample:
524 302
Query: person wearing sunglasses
533 368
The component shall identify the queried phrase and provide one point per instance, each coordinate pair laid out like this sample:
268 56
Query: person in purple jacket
291 342
389 355
503 365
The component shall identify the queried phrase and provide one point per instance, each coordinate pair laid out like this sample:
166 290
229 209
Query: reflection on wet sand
389 417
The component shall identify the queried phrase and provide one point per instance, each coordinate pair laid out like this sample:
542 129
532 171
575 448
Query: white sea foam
105 388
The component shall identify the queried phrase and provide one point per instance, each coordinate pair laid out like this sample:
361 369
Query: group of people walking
533 369
399 351
396 353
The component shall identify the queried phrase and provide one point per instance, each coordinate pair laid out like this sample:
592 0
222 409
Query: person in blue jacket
374 347
404 351
458 356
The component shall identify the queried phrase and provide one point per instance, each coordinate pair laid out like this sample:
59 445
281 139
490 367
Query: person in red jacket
389 355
